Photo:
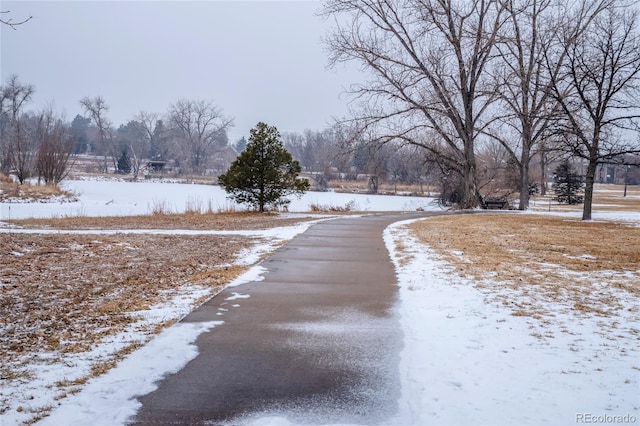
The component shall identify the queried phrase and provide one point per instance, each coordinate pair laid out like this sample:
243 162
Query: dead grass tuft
320 208
10 191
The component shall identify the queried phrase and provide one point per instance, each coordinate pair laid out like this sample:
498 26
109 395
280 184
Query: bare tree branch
10 22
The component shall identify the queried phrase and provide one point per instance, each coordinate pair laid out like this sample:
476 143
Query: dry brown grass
67 292
193 221
29 192
540 259
361 186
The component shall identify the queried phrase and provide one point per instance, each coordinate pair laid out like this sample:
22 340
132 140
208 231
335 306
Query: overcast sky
257 60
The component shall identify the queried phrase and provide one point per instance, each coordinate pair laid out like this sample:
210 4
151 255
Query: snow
110 398
629 218
236 296
465 361
121 198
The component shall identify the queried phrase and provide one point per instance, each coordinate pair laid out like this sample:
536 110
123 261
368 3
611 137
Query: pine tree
264 173
124 163
568 185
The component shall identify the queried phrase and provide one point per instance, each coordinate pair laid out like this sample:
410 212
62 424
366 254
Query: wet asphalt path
317 340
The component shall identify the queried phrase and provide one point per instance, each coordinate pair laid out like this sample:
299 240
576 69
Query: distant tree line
44 145
336 153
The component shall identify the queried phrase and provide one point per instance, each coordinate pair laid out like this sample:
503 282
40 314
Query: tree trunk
543 174
471 196
524 183
588 189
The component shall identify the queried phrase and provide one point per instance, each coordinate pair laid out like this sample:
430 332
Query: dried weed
192 221
13 191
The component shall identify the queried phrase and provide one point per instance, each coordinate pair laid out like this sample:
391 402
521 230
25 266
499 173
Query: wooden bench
496 204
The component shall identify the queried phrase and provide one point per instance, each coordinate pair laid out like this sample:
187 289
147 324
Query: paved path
316 340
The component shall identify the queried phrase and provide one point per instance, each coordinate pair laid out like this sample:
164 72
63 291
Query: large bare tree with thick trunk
599 92
199 127
525 78
428 60
525 94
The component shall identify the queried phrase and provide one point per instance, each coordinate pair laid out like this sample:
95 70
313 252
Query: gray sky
257 60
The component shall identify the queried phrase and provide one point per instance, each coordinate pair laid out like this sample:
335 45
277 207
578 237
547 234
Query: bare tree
22 146
16 152
199 126
97 109
317 152
155 134
428 59
530 61
525 89
55 146
599 92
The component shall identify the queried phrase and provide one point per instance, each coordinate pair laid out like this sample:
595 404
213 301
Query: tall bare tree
155 134
429 60
525 92
97 109
16 152
599 92
525 78
200 127
55 146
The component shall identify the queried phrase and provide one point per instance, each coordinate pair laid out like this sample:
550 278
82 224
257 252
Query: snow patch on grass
111 398
467 361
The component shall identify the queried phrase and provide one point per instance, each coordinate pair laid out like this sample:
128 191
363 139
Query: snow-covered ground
122 198
469 362
464 362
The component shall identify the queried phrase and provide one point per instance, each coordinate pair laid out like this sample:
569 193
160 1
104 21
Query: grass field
544 259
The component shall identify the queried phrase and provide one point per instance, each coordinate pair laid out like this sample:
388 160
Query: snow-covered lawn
466 359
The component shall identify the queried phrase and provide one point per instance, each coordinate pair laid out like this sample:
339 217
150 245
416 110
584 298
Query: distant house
619 174
221 160
156 166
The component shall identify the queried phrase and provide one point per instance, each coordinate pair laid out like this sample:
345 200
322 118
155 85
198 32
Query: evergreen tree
124 163
240 144
79 127
568 185
264 173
